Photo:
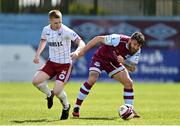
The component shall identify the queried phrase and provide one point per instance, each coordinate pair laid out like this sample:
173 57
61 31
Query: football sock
43 87
128 96
63 99
84 91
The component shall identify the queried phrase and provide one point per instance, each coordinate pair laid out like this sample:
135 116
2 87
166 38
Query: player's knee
93 76
56 92
128 84
35 82
92 80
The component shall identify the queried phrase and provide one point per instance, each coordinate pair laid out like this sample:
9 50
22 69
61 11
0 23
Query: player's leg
58 90
39 81
63 74
84 91
124 78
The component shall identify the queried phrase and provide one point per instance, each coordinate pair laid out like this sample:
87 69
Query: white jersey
59 43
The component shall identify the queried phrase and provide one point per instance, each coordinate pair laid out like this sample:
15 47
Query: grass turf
23 104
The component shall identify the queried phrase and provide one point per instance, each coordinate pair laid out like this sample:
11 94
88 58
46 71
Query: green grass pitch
23 104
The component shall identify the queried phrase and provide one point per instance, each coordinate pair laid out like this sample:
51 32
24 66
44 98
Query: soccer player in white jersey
117 55
59 65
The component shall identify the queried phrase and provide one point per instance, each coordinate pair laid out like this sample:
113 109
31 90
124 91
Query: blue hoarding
155 65
158 65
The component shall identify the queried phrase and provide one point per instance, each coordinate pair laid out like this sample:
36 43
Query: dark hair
55 14
139 37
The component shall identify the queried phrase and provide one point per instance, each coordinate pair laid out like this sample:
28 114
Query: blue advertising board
158 65
154 65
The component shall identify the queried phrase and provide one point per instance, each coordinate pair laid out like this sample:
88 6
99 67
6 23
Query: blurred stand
94 7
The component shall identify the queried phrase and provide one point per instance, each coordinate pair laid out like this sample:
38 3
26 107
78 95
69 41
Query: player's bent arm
132 61
91 44
80 44
130 66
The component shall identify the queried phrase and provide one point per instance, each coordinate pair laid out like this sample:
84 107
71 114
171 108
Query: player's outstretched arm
91 44
39 51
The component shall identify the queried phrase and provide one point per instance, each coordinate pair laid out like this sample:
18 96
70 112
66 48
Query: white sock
76 106
63 99
44 88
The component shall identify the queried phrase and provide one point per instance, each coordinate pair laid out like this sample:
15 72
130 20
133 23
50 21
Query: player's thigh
124 78
40 77
93 76
58 87
63 72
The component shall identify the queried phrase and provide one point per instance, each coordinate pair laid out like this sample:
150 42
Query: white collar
127 46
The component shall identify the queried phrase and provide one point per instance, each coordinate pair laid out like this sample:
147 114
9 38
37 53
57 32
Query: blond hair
55 14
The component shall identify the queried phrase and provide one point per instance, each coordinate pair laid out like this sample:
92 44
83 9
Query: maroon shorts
61 71
111 67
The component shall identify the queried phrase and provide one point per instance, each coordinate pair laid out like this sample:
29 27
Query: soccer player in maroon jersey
117 55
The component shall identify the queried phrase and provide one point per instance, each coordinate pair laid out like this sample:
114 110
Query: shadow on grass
96 118
33 121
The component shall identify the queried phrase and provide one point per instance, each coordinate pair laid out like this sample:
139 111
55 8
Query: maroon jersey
110 53
105 58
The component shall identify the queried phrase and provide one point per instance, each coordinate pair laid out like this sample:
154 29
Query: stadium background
156 98
21 23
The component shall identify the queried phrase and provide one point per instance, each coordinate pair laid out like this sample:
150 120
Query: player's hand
36 59
77 54
81 53
120 59
74 55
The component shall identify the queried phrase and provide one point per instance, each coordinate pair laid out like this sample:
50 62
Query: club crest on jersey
97 64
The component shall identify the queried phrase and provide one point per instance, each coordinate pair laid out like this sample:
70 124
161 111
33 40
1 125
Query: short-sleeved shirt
105 58
59 43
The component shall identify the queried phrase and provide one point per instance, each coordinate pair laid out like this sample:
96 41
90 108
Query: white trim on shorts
68 74
116 71
94 69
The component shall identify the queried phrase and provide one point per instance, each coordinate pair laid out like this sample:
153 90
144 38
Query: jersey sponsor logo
57 44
